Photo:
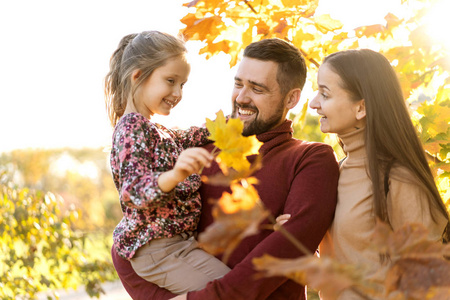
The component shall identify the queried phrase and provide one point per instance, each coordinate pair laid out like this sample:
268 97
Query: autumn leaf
370 30
236 216
415 277
325 23
418 263
232 175
324 274
235 147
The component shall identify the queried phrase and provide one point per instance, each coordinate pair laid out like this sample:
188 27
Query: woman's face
340 114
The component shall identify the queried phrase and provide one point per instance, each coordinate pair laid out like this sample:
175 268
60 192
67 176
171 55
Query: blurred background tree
61 239
409 38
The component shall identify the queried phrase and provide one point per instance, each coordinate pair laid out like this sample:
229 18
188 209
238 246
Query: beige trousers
177 264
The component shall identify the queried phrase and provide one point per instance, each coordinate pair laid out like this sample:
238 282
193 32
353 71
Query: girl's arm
190 161
192 137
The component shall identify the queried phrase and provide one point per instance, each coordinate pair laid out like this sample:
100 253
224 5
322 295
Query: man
297 178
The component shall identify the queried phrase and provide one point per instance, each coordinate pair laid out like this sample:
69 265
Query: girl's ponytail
114 87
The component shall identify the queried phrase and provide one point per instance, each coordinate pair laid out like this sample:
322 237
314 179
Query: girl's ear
135 75
292 98
361 110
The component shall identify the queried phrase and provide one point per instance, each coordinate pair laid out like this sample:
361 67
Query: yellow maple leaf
235 147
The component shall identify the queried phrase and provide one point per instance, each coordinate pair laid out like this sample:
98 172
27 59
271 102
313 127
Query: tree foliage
422 63
40 249
60 239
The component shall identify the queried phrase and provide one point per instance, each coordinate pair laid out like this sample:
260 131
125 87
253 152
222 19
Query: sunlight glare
437 23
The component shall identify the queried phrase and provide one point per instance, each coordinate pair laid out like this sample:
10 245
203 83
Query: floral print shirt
141 152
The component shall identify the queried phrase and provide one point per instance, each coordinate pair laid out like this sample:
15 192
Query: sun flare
438 23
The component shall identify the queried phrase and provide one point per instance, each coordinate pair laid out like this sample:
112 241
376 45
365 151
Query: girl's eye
171 81
324 96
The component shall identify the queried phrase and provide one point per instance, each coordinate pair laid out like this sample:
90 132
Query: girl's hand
190 161
281 219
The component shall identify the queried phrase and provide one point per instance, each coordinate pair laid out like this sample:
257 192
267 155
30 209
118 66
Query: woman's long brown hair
390 136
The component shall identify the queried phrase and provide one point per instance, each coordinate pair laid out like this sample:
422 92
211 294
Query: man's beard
258 126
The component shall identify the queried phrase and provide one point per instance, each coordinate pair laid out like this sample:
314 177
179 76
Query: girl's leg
177 264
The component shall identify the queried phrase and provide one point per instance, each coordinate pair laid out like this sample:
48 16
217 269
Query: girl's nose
177 93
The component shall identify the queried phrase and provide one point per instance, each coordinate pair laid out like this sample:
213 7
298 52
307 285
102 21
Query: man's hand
180 297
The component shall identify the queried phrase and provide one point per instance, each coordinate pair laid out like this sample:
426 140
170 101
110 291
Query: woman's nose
314 104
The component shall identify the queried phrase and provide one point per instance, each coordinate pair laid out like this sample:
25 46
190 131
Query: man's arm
311 201
137 287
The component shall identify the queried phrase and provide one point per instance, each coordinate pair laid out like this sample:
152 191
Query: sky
54 55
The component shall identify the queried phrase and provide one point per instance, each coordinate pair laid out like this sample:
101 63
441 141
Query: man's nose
243 96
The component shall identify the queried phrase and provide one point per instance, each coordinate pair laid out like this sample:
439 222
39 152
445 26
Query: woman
385 174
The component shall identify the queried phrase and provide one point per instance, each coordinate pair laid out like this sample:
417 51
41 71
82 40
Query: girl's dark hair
390 136
145 51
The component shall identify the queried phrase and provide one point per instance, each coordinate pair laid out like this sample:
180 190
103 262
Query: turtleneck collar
275 136
354 144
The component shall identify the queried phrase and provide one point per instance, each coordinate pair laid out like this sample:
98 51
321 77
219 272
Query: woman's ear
135 75
361 110
293 97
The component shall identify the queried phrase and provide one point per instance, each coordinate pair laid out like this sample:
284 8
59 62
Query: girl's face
340 114
163 89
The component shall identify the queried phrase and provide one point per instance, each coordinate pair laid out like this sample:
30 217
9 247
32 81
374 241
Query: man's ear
135 75
293 97
361 110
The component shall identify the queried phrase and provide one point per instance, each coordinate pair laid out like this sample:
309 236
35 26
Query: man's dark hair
291 64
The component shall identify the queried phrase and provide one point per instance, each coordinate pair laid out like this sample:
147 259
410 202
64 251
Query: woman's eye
324 96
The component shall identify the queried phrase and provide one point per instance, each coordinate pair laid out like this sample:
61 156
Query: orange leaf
262 28
370 30
236 216
200 29
324 274
392 20
415 277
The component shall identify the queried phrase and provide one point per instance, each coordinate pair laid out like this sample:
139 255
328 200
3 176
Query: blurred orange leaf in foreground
236 216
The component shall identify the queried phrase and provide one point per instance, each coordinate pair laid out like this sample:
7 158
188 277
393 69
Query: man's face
256 96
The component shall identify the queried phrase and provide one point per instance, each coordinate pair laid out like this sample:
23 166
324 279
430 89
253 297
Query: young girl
153 168
385 173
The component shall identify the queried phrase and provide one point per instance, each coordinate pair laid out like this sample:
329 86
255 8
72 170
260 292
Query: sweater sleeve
135 153
311 201
192 137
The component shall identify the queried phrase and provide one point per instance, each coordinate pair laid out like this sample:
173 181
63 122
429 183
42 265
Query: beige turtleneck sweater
348 239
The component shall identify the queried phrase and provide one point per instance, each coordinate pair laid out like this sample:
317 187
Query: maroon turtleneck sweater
298 178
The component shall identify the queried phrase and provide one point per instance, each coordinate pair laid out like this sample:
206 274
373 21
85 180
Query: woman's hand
180 297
